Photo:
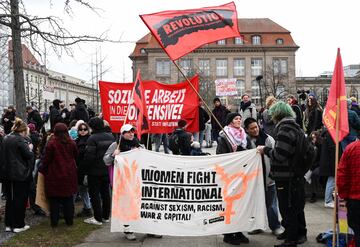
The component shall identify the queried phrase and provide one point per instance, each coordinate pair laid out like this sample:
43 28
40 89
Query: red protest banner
166 104
182 31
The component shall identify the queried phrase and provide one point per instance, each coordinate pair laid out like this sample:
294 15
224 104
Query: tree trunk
19 87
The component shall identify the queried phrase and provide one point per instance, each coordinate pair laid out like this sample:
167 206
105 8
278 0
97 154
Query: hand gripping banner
188 195
166 104
181 31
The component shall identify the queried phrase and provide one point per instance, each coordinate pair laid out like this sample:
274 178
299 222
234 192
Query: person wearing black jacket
313 115
203 118
80 112
65 114
239 142
55 116
33 117
83 135
183 145
220 113
18 160
296 108
98 176
8 119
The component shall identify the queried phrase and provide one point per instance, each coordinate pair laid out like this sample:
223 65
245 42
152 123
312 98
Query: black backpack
305 154
174 143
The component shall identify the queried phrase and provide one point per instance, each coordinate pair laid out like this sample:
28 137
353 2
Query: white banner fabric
188 195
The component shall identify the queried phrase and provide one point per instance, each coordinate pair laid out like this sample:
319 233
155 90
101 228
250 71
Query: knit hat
230 117
96 124
32 127
126 128
182 123
312 95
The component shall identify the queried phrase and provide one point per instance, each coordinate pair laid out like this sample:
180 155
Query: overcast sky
319 27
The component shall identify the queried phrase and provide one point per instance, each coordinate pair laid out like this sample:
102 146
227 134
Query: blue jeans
272 207
161 138
330 186
83 192
199 137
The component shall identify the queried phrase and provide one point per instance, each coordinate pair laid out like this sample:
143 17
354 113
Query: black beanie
96 124
230 116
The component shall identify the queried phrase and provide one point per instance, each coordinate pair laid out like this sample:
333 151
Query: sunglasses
83 129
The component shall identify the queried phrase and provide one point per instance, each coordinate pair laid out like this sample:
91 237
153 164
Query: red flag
182 31
337 91
142 125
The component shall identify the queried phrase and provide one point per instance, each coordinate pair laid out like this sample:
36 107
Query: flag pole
336 165
206 105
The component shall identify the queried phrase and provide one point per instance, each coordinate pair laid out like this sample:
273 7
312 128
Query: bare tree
274 83
32 29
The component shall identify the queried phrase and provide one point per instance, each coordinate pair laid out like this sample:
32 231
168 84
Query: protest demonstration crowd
73 150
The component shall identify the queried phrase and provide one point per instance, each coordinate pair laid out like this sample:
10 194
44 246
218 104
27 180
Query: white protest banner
188 195
226 87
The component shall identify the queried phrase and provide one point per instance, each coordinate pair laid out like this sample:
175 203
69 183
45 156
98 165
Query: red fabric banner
182 31
337 91
166 104
142 125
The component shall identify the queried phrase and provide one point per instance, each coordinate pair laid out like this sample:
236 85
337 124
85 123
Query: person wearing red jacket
348 182
59 169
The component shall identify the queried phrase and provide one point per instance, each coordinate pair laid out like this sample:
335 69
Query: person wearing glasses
83 130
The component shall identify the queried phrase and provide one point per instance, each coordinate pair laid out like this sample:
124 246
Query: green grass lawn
43 235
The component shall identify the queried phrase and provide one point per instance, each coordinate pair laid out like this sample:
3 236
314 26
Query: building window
163 67
256 40
142 51
256 66
221 42
239 67
204 66
280 92
221 67
255 92
279 41
240 85
239 40
280 66
186 66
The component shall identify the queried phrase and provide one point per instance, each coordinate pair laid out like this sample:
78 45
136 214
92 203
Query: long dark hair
61 133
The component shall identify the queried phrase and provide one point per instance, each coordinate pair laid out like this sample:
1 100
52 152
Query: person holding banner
348 182
259 137
239 142
290 187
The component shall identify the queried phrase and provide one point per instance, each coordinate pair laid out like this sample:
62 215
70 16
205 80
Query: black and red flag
182 31
142 124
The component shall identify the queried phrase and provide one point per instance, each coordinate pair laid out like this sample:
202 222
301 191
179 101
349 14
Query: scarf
243 105
237 136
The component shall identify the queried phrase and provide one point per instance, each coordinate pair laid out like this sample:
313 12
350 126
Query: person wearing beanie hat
18 159
238 142
97 171
313 115
180 139
80 112
220 113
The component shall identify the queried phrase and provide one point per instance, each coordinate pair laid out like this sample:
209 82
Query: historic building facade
264 49
42 85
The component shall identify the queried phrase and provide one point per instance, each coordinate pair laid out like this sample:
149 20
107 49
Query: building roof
268 29
28 57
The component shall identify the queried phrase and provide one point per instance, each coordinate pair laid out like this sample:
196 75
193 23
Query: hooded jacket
80 113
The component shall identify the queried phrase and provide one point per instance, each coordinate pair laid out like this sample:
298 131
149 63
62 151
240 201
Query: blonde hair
270 101
19 126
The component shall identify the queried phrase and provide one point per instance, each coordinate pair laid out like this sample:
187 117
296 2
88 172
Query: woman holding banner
239 142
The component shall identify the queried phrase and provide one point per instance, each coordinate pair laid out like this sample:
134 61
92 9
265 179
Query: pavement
319 219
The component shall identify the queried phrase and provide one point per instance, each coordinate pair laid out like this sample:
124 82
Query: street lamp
258 79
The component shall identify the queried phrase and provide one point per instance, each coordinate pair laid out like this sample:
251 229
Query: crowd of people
74 150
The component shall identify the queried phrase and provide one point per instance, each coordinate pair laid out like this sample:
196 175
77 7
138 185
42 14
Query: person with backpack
288 173
247 109
180 140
